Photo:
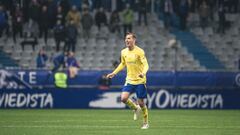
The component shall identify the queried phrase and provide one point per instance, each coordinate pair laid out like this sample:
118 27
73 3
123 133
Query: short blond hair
130 33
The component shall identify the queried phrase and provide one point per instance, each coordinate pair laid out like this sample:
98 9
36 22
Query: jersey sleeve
144 62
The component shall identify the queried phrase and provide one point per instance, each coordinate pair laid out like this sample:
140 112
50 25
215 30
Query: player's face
129 41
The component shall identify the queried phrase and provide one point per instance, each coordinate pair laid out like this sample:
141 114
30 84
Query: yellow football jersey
136 64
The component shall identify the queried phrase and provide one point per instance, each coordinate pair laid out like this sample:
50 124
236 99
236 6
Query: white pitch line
120 126
65 127
47 115
60 121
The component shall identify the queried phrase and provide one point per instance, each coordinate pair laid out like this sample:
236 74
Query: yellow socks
145 114
131 104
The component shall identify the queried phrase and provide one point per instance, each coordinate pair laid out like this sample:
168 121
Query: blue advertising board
95 98
167 90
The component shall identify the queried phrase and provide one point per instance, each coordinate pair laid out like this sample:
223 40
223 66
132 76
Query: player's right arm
118 69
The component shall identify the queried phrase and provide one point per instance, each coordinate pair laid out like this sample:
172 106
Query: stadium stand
198 50
225 47
203 50
6 61
99 52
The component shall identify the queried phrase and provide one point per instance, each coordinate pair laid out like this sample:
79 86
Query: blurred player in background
133 58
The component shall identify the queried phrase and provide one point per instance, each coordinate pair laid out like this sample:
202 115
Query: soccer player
133 58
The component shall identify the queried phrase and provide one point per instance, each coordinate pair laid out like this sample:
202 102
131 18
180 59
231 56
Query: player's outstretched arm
118 69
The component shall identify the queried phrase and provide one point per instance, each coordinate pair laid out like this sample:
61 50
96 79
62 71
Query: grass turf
118 122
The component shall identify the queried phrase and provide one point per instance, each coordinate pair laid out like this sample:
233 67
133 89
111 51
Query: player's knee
124 99
141 104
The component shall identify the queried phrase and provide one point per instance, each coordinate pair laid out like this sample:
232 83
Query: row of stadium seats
103 48
225 47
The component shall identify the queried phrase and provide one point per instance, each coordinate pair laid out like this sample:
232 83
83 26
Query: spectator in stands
228 5
73 15
87 22
8 4
212 4
193 5
115 21
175 4
59 34
72 65
65 6
9 23
221 15
17 22
3 20
235 6
204 14
87 4
142 11
34 10
44 23
30 32
60 15
100 18
41 59
59 61
71 36
183 13
167 11
51 6
128 18
104 82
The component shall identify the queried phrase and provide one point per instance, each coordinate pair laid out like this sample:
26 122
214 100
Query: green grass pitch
118 122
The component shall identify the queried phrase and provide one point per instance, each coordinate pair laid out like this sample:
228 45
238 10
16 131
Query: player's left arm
143 60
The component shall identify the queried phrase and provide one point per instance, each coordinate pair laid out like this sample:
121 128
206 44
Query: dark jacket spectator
87 22
59 34
65 6
221 15
204 13
17 22
34 10
142 11
51 6
3 20
44 23
114 24
100 18
167 11
183 13
71 37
